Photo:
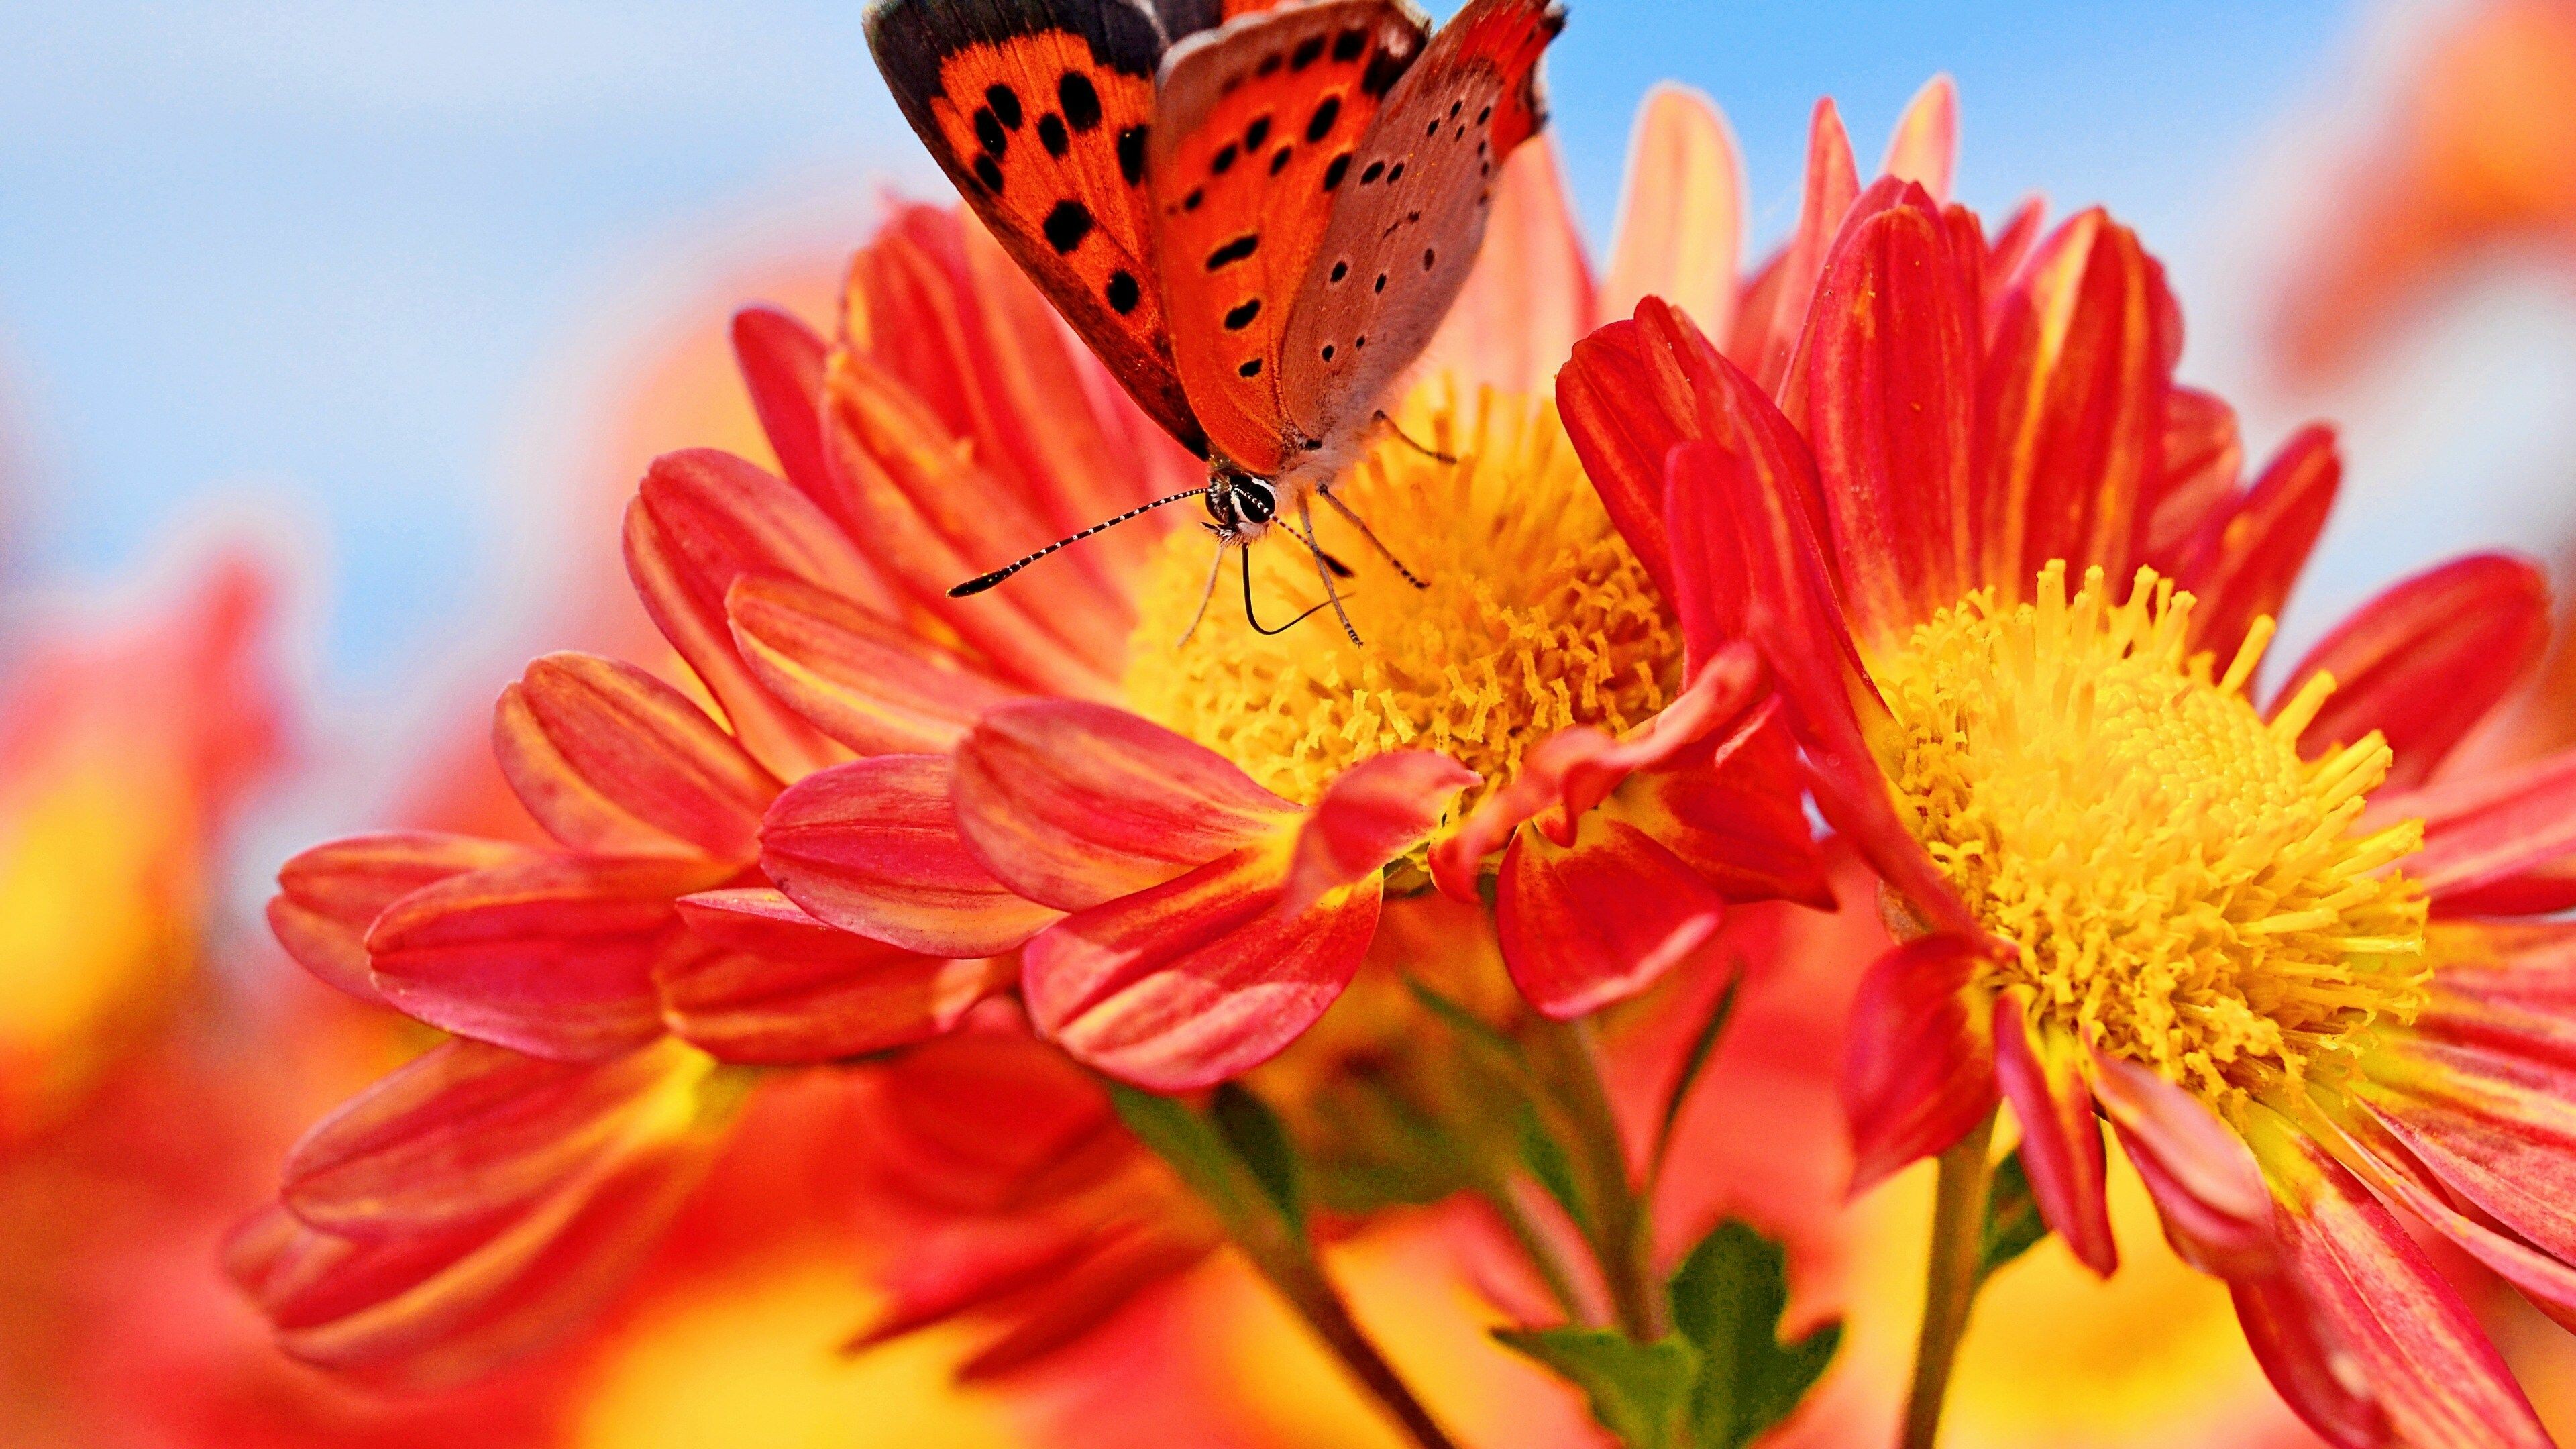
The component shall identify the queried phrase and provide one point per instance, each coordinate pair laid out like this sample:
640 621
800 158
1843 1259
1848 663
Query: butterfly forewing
1405 232
1041 112
1255 132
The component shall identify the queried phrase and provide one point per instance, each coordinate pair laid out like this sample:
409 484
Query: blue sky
324 255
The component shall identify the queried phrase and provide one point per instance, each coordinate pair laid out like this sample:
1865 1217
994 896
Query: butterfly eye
1258 503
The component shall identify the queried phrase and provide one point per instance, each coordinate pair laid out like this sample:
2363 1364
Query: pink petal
872 847
611 760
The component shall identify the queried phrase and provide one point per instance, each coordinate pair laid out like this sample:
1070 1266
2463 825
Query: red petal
2203 456
1372 813
1832 181
778 988
1615 410
611 760
2250 550
1598 922
462 1135
858 676
1925 147
702 519
329 895
2216 1211
2487 840
907 481
552 957
2078 365
782 368
2316 1377
2061 1144
1892 387
1073 804
1574 770
2417 1345
1735 814
2385 1163
426 1310
1200 978
1792 617
1681 213
2427 659
872 847
1919 1064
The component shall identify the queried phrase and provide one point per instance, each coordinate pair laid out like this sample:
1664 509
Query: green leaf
1261 1142
2013 1223
1639 1391
1468 1025
1727 1300
1176 1133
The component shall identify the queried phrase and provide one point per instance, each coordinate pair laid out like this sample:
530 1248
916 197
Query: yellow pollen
2186 890
1536 616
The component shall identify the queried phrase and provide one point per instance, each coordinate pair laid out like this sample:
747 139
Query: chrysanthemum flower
2016 595
875 806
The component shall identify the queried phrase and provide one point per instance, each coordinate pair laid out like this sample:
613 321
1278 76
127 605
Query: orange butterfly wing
1253 135
1041 111
1404 238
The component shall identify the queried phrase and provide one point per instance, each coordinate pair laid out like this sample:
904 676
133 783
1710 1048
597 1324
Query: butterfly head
1241 505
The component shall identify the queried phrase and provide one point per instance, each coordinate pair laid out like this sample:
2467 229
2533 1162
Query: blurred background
333 336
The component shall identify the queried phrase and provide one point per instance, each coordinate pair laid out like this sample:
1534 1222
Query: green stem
1950 1280
1540 1249
1622 1229
1300 1280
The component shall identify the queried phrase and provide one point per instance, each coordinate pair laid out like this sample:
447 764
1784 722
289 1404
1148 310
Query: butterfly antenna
1352 514
1207 596
1255 620
981 582
1332 595
1425 449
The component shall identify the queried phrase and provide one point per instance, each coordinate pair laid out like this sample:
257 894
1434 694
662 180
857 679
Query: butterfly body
1255 214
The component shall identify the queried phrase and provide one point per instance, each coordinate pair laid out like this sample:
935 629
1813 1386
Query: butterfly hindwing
1041 112
1405 232
1254 134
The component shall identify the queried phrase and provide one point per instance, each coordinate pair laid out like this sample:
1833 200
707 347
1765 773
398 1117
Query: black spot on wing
1348 45
1308 51
988 129
1067 225
1051 135
1339 168
1340 270
1270 65
1005 103
1279 160
1256 133
1320 124
1234 251
1375 170
1249 369
1080 100
989 173
1241 317
1384 69
1123 293
1191 201
1131 154
1223 161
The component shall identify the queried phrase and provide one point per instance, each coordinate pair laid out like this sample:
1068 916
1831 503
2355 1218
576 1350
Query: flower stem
1300 1280
1950 1281
1554 1272
1622 1229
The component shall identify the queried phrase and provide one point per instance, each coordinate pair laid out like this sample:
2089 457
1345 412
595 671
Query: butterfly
1255 214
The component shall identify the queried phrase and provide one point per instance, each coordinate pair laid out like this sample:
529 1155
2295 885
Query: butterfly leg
1425 449
1346 511
1206 597
1332 595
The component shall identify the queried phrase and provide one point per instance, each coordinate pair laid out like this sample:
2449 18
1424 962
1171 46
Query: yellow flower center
1535 615
2186 890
